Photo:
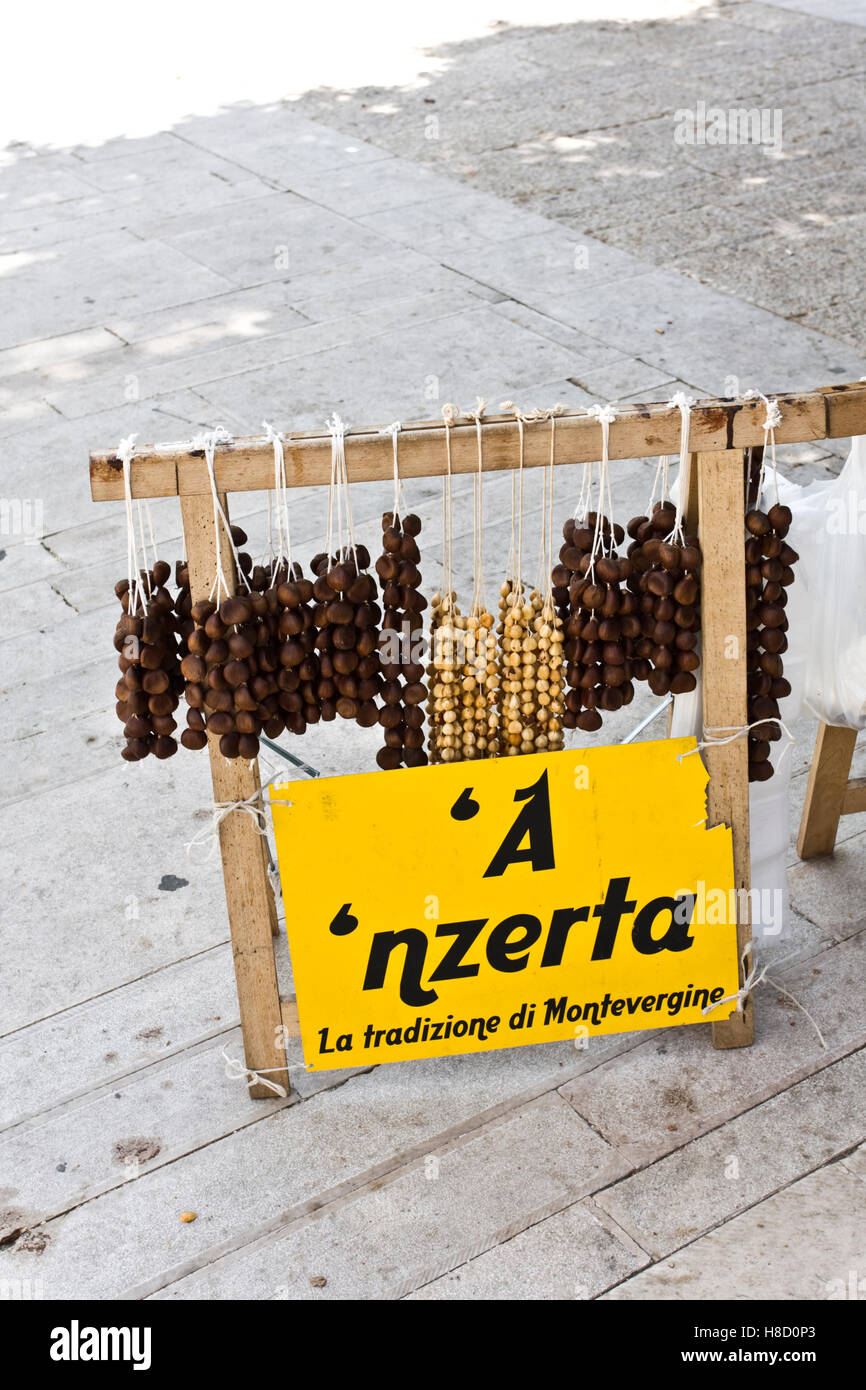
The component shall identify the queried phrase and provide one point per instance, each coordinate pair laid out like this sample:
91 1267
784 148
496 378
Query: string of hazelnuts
531 671
513 630
403 690
464 682
150 682
443 696
478 677
769 572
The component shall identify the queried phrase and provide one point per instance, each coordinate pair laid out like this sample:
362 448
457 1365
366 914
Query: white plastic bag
829 531
769 832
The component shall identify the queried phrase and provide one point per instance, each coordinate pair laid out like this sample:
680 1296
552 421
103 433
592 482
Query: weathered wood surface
829 794
723 655
251 909
639 431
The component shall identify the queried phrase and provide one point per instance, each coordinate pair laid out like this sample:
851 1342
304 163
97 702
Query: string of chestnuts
403 691
150 683
769 572
227 678
600 622
665 578
232 661
341 677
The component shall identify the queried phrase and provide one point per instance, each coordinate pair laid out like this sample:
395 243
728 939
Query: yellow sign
479 905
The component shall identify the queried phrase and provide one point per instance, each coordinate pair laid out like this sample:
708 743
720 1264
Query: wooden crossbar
639 431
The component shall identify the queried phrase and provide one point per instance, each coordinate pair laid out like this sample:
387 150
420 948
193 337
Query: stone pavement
577 122
283 262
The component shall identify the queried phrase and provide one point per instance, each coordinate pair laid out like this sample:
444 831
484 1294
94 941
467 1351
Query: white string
239 1071
524 418
684 404
548 566
274 437
583 500
331 495
772 420
125 450
269 550
148 565
515 549
478 510
545 563
755 977
605 415
449 413
340 481
661 473
221 809
207 443
336 428
284 535
394 430
739 731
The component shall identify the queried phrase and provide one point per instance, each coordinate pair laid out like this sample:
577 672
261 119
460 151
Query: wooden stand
829 794
719 432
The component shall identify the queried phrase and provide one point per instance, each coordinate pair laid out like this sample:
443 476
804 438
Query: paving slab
159 369
676 1086
111 272
831 888
117 1032
741 1162
96 1143
412 363
574 1254
269 1172
759 1255
405 1232
260 239
140 925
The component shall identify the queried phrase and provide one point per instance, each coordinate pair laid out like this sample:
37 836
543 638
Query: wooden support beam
827 791
639 431
855 797
723 635
689 502
248 892
272 902
291 1019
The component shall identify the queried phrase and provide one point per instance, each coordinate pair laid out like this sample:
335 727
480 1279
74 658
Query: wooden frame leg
723 624
251 908
272 902
826 791
688 485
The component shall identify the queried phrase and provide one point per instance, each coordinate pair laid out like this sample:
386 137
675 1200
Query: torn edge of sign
685 754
